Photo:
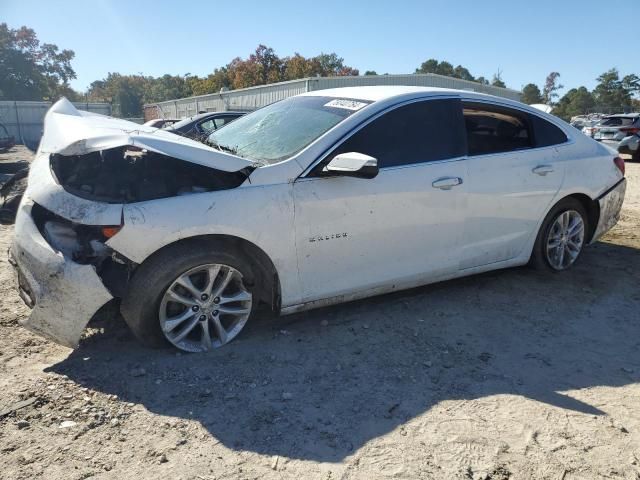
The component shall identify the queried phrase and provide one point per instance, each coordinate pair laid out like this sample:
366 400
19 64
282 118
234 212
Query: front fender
262 215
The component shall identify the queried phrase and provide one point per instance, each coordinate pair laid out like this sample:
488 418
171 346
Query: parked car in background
589 129
580 121
585 123
612 129
161 122
322 198
200 126
631 146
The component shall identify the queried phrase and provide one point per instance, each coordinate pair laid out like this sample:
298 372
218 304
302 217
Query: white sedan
318 199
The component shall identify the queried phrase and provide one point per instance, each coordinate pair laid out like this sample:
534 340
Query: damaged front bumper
610 205
63 294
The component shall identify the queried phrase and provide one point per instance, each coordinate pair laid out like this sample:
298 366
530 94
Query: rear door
513 177
402 227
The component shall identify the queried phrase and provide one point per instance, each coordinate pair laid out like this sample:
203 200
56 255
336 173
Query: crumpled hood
69 131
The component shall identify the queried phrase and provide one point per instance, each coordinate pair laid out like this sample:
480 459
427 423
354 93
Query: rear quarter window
545 133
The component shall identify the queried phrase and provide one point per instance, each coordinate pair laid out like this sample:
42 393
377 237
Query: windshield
282 129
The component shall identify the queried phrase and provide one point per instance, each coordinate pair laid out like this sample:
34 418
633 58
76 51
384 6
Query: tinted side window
415 133
493 129
546 133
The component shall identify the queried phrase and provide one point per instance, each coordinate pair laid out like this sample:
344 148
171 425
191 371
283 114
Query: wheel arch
262 265
592 207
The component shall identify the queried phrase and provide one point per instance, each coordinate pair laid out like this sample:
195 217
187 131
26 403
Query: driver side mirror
352 164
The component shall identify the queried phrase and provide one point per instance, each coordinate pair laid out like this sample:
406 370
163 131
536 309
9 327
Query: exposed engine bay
129 174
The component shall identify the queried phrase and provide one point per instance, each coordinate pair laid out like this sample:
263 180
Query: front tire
193 296
562 237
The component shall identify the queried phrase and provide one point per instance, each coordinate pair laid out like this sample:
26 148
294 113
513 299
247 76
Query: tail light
110 231
620 164
630 130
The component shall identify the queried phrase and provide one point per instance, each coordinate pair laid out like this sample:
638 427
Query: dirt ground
511 374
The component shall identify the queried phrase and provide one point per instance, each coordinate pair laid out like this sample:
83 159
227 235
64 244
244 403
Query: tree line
131 92
612 94
30 70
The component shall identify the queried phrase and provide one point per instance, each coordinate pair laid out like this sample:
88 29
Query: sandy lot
512 374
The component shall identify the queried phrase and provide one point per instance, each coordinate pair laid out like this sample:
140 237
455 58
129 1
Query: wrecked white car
322 198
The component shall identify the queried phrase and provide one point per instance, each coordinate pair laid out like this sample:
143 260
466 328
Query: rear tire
561 238
173 283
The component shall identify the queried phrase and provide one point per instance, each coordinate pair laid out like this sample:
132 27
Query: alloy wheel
205 307
565 240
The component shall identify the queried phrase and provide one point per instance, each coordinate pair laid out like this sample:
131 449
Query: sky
523 39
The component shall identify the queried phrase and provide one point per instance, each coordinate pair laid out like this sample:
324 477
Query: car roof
624 115
379 92
154 120
383 93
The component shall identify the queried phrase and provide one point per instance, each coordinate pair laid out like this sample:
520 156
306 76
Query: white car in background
612 129
318 199
631 146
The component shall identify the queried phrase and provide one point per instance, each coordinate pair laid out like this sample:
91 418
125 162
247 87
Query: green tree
614 94
531 94
463 73
428 66
331 65
165 88
212 83
126 92
577 101
434 66
497 81
631 83
370 73
551 87
30 70
445 68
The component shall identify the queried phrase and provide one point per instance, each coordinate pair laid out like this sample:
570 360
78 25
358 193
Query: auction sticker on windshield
346 104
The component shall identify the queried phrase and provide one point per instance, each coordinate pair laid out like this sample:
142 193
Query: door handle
446 183
542 170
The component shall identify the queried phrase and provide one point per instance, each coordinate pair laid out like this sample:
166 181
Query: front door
399 229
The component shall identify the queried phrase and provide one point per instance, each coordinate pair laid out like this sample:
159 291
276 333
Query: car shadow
321 384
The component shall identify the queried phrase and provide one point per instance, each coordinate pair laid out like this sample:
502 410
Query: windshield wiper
233 151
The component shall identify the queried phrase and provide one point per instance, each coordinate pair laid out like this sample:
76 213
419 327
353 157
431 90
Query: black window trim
213 118
570 140
312 166
320 159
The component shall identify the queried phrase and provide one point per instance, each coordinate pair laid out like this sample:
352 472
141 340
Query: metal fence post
15 104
